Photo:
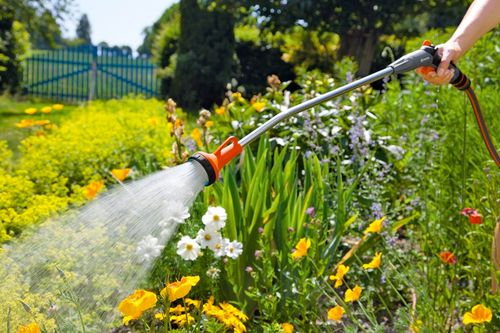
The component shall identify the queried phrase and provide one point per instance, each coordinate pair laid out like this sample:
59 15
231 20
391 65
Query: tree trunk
360 45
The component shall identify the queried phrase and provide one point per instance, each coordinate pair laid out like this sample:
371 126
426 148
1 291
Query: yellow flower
375 263
196 135
193 302
415 327
179 309
25 123
30 111
237 96
209 124
336 313
220 110
153 122
287 327
339 276
179 289
375 226
46 109
234 311
478 315
31 328
159 316
352 295
58 107
182 319
133 305
258 106
92 189
301 248
120 174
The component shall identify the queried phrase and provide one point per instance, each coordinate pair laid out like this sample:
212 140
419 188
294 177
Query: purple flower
261 230
248 269
258 253
311 212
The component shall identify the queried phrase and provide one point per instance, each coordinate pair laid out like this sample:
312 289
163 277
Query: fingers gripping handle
459 79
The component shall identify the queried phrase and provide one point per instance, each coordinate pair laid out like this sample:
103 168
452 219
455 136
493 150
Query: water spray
426 57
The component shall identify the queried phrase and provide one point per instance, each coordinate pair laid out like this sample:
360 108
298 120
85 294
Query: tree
14 44
83 30
359 23
205 56
41 19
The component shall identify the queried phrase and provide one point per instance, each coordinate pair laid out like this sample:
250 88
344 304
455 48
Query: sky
117 22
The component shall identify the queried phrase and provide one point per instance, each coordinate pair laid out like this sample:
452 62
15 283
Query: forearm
481 17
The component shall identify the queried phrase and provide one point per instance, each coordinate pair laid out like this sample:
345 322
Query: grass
12 112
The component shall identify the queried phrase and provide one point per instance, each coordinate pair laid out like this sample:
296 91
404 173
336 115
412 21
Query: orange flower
339 276
120 174
375 226
25 123
134 305
478 315
473 215
179 289
31 328
258 106
92 189
448 258
30 111
46 109
42 122
301 248
287 327
58 107
375 263
209 124
352 295
336 313
220 110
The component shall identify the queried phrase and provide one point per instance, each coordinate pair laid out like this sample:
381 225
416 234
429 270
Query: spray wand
426 57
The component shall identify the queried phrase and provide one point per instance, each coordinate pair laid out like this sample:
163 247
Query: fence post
93 80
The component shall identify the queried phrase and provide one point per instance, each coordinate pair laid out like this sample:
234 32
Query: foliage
49 175
14 45
204 60
83 30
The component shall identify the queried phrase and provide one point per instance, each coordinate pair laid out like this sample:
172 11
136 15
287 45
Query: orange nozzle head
213 163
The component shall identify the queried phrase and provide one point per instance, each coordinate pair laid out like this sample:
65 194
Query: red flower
472 214
448 258
475 218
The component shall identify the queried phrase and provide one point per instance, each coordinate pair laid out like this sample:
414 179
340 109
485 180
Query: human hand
449 52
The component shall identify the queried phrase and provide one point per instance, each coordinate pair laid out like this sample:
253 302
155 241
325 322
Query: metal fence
88 72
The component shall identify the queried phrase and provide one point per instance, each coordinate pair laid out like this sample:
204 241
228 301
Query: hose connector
213 163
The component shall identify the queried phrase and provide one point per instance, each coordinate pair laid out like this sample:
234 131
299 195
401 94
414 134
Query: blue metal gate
89 72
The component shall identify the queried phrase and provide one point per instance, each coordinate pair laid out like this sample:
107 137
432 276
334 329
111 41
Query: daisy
209 237
234 249
187 248
216 216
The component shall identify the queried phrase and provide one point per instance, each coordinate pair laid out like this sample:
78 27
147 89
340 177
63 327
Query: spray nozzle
213 163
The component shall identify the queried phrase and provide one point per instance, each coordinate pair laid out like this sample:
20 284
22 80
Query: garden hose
426 57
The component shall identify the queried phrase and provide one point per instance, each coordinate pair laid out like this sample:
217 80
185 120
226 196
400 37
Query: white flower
187 248
208 237
148 249
175 212
234 249
220 248
213 272
397 151
216 216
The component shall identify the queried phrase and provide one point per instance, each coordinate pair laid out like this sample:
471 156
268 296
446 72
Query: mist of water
88 260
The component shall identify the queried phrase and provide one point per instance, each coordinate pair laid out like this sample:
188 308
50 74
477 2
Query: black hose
463 83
